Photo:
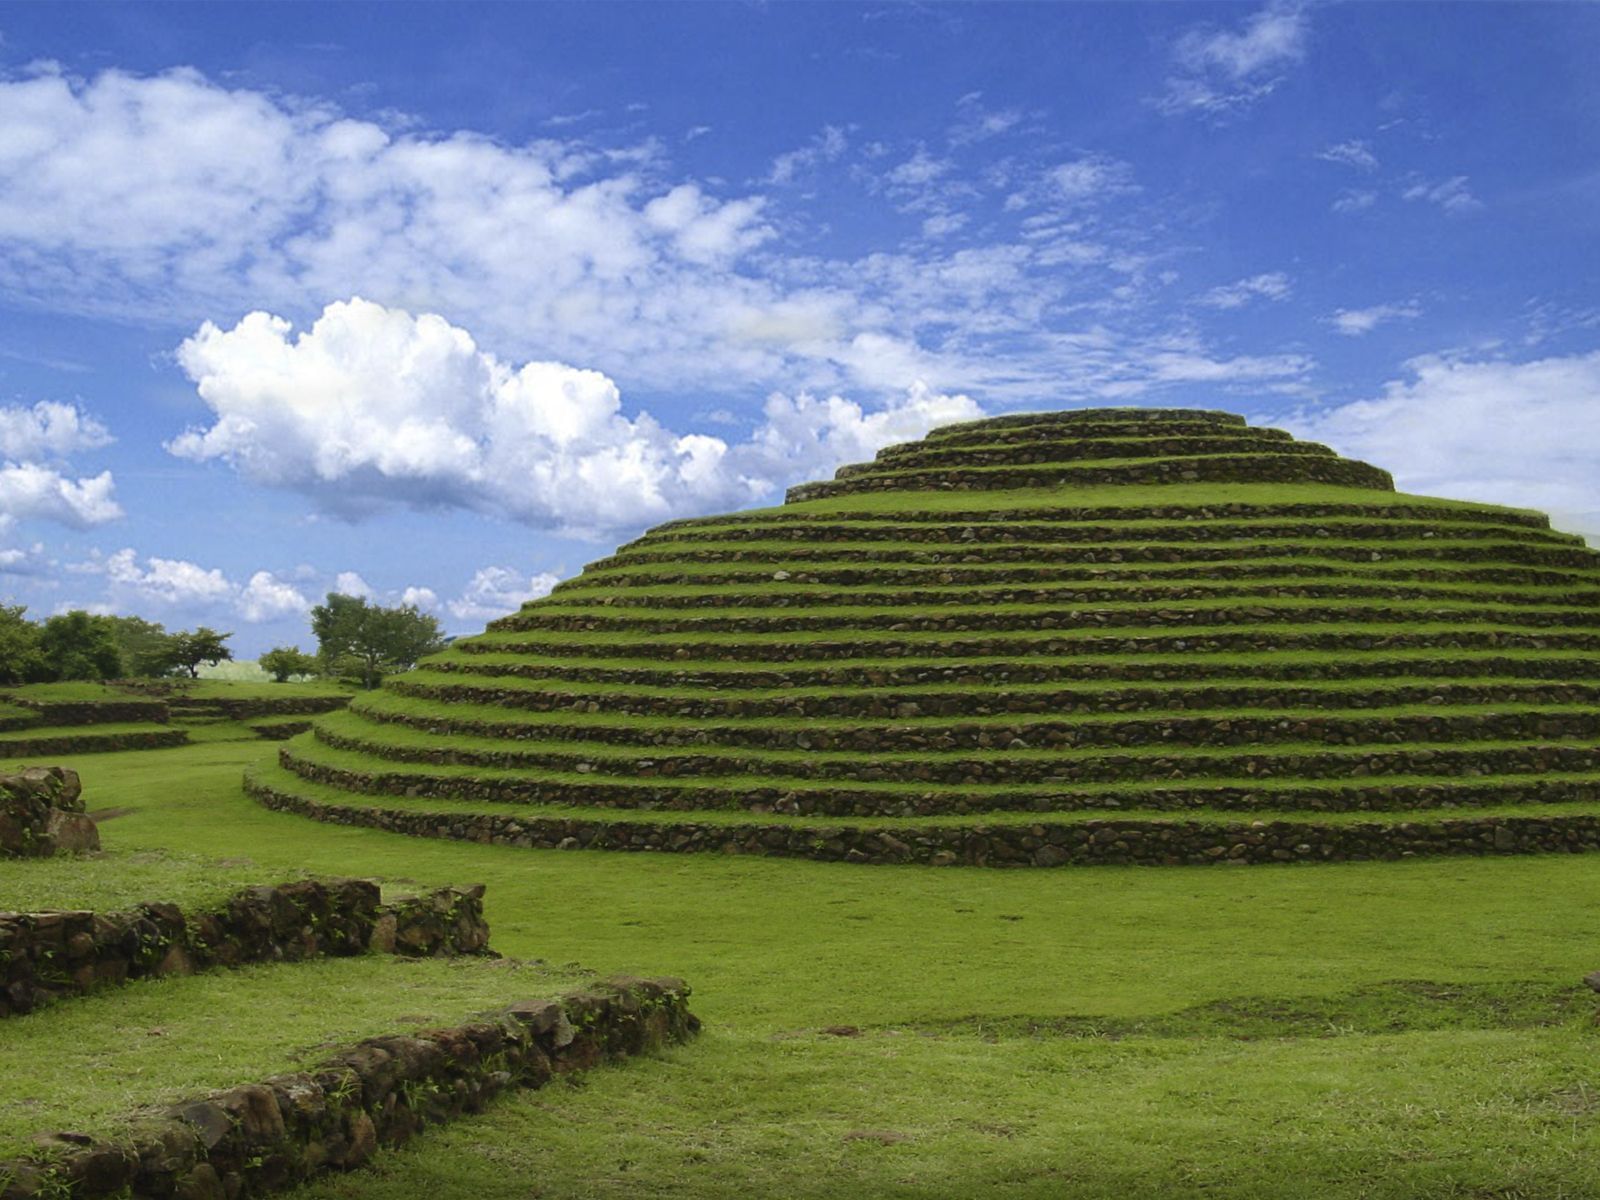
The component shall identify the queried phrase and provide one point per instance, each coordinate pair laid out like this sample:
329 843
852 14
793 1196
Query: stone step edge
1258 468
1105 431
790 594
967 618
1053 451
518 786
89 742
1097 431
1224 577
59 954
1231 510
1103 534
1109 842
1493 554
888 704
96 712
940 733
1122 415
489 674
268 1136
1094 643
1222 795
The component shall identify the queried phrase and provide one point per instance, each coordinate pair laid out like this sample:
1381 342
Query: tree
146 646
204 645
285 661
369 641
80 645
20 660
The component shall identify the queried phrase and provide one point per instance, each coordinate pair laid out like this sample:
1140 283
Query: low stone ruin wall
261 1137
258 706
97 712
41 813
49 955
91 740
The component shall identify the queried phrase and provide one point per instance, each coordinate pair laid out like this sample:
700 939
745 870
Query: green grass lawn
91 1062
1378 1029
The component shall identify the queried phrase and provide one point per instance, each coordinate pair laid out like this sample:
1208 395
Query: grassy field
1388 1029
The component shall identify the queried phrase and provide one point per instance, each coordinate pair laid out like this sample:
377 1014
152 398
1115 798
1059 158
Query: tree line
356 640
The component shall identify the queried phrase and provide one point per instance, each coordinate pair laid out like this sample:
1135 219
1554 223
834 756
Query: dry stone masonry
263 1137
46 956
1103 636
41 814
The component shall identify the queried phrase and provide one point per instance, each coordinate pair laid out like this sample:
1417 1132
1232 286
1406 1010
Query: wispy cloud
1451 194
1354 201
978 123
823 148
1224 70
1273 285
1356 322
1355 154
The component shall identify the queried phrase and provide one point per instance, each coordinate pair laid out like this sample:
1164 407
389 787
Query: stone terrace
1043 618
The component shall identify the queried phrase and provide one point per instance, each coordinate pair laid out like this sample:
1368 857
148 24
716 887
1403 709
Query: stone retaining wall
1219 577
841 799
263 1137
826 529
50 955
1034 432
1086 645
1182 513
1039 759
1131 418
477 684
97 712
791 592
1251 468
92 741
1084 843
983 619
1497 553
908 703
1074 449
280 731
243 710
1102 730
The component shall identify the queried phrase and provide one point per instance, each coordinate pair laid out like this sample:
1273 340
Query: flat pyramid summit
1103 636
1097 447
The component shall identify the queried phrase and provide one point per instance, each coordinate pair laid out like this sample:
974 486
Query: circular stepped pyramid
1103 636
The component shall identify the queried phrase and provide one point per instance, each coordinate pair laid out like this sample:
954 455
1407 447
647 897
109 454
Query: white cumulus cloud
138 584
1524 434
266 598
373 406
349 583
424 599
166 580
48 430
497 591
28 490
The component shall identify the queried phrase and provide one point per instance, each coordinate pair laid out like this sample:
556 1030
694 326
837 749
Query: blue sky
440 302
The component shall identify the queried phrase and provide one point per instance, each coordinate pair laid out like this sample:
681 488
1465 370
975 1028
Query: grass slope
1111 1032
